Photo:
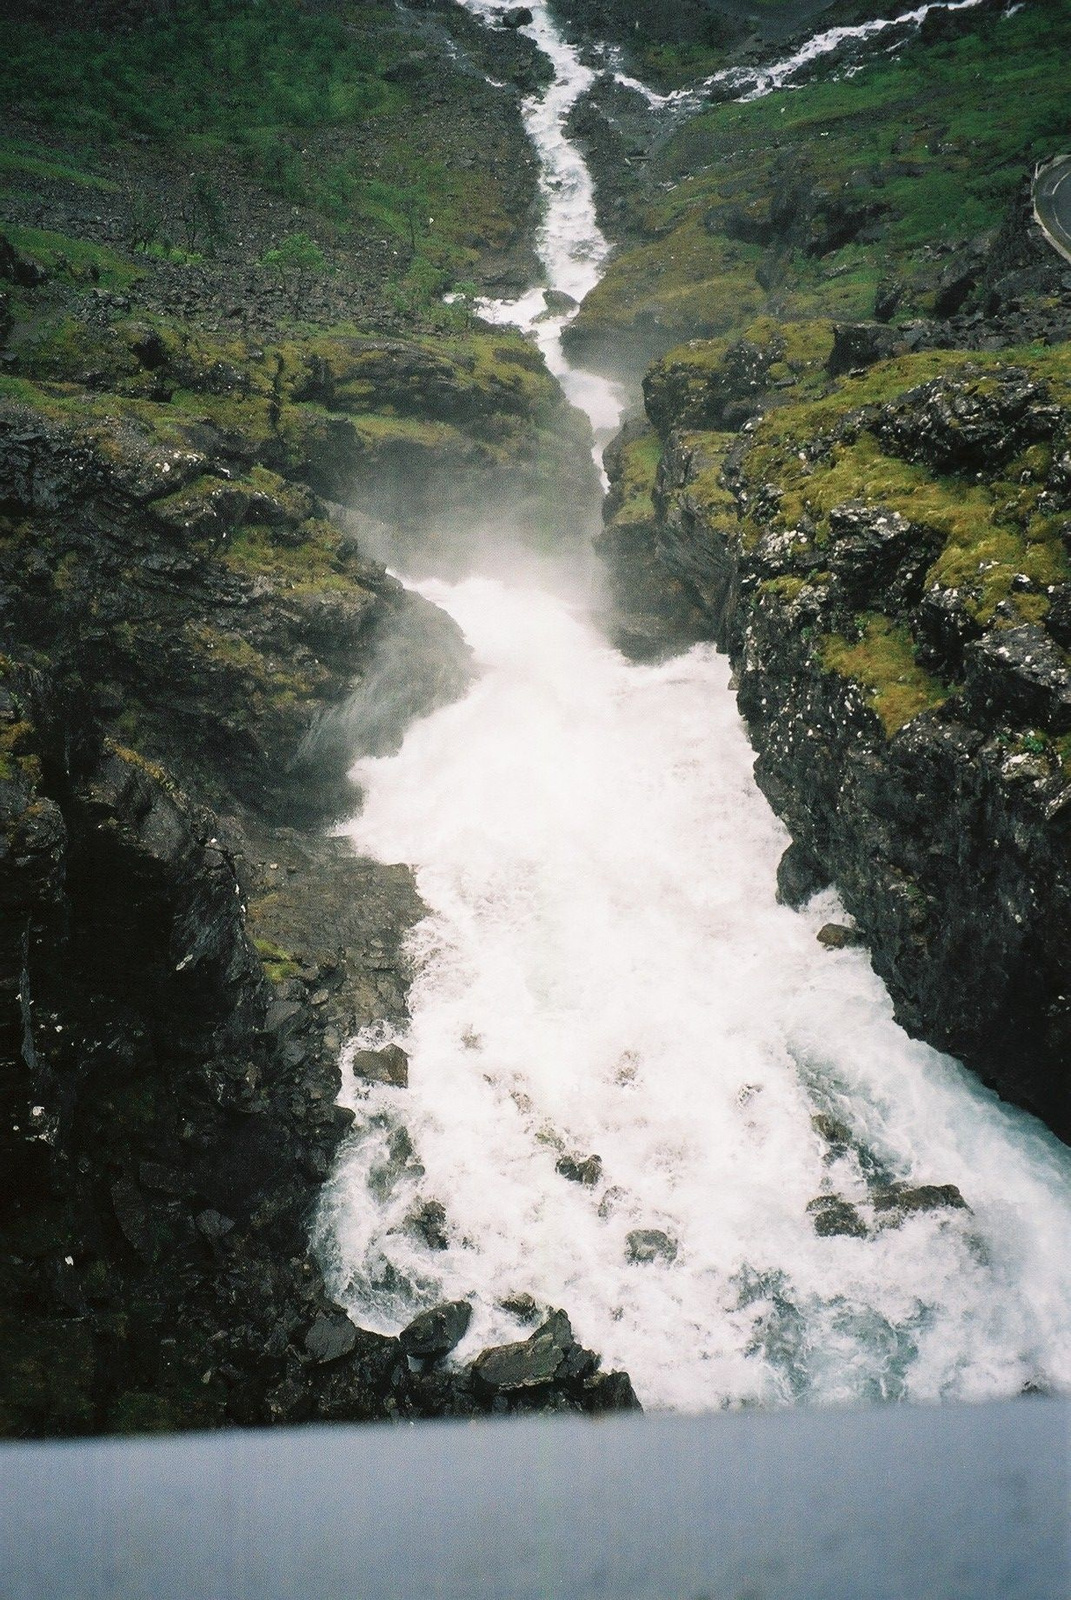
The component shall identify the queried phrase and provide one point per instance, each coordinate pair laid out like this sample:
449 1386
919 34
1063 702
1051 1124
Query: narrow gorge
559 1054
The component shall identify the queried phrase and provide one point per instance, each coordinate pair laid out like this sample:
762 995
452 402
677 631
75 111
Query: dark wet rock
330 1338
960 277
837 1134
955 424
877 556
676 395
558 302
644 1245
428 1222
1018 675
531 1363
836 936
835 1217
522 1306
433 1334
887 298
580 1169
799 876
213 1225
18 268
389 1065
893 1202
515 17
549 1371
861 344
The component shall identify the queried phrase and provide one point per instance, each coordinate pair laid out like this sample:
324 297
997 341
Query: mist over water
605 971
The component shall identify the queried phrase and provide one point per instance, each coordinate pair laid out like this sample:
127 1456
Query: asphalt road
1052 203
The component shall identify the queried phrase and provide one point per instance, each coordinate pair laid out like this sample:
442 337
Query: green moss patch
77 259
882 659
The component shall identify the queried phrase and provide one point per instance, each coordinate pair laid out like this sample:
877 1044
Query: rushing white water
751 83
605 971
569 242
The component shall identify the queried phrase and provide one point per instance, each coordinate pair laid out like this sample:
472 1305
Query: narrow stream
605 972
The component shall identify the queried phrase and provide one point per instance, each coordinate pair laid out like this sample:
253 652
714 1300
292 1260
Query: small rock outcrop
433 1334
549 1371
644 1245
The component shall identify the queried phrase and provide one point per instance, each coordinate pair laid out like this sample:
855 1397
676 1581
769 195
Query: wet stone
836 1134
835 1217
330 1338
644 1245
586 1170
836 936
389 1065
212 1225
898 1200
799 876
522 1306
433 1334
530 1363
428 1222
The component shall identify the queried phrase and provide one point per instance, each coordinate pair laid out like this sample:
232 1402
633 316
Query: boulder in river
895 1201
428 1222
549 1356
522 1306
799 876
837 936
433 1334
834 1216
644 1245
558 302
389 1065
580 1169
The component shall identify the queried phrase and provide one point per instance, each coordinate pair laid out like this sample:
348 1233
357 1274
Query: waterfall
639 1088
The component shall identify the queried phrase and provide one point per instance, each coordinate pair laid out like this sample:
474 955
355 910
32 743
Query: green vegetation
78 260
306 103
993 534
279 964
636 469
201 69
20 161
297 250
923 149
882 659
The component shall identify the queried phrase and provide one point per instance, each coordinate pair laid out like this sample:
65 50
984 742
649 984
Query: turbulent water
605 971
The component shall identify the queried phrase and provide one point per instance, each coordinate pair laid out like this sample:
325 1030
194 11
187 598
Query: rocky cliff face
196 649
885 558
205 456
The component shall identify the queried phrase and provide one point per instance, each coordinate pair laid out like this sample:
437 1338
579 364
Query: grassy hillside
803 202
347 137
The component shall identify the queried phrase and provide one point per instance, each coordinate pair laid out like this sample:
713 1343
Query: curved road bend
1052 203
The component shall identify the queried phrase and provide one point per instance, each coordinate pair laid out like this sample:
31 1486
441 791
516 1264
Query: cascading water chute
638 1087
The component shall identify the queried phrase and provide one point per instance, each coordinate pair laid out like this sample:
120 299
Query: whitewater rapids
605 971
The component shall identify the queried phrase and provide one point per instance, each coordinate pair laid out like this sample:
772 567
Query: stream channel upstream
605 971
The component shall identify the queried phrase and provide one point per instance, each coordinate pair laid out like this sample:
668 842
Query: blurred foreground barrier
896 1503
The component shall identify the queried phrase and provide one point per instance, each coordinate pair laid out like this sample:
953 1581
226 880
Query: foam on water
605 970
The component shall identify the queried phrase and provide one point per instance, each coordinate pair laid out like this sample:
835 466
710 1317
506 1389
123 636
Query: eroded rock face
892 590
433 1334
549 1371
